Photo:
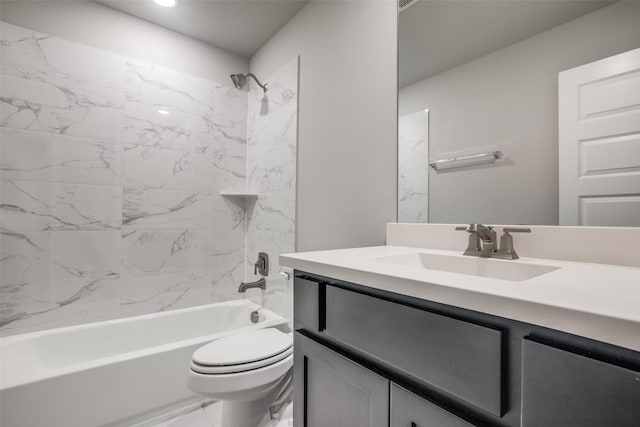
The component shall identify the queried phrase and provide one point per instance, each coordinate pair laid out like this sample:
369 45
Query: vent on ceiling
405 4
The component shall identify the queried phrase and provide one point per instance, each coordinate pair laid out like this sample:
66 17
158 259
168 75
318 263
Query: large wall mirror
479 101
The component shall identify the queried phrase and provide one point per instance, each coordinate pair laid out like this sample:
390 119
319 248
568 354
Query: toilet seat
242 352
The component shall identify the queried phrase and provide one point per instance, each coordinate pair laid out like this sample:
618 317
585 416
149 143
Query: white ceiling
437 35
239 26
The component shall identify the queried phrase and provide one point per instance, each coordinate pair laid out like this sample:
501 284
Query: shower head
240 81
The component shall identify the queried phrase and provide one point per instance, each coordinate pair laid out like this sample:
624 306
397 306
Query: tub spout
262 284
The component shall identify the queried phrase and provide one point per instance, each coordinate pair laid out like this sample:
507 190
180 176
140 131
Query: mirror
481 77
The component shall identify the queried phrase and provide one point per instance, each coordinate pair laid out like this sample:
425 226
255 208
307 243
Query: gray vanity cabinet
562 388
334 391
409 410
366 357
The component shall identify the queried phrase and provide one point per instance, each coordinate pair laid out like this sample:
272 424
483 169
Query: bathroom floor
209 416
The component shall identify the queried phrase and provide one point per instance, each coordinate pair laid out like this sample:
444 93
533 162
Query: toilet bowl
246 371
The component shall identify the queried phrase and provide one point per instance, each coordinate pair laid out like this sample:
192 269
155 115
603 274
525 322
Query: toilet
246 371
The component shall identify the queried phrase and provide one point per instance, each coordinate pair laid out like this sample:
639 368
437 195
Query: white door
599 142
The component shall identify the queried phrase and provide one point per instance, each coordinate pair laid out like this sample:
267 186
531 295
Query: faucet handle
506 242
474 241
262 265
471 228
508 230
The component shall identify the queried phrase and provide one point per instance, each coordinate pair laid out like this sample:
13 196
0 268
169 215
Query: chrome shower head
240 81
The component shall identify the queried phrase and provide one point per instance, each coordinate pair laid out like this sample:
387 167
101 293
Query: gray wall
99 26
510 99
347 133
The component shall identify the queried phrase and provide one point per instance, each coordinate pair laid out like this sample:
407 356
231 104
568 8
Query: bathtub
112 373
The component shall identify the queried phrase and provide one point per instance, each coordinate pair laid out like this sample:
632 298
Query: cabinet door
561 388
409 410
333 391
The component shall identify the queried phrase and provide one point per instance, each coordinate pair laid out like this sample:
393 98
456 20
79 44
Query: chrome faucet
483 241
262 284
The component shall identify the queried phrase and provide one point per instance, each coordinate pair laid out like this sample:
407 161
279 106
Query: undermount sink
473 266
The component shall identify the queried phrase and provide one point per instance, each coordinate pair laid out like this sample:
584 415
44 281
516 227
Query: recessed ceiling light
166 3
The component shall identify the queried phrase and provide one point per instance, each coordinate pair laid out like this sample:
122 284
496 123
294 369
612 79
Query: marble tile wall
272 147
110 172
413 168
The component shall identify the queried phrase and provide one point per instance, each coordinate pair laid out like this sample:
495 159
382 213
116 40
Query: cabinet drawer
561 388
460 358
409 410
306 304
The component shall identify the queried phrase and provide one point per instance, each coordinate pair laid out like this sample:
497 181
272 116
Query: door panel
561 388
333 391
599 142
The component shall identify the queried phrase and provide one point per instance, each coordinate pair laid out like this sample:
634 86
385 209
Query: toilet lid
245 348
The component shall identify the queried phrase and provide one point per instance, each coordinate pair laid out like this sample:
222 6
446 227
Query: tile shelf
245 194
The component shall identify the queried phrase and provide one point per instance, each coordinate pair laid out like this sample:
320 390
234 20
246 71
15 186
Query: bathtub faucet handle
262 265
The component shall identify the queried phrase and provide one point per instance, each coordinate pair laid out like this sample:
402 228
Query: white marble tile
53 158
148 293
273 170
228 213
166 251
229 173
43 206
229 145
149 208
272 116
80 254
51 279
277 129
165 269
274 211
165 127
227 264
160 168
153 85
24 264
85 147
38 106
230 106
34 257
54 85
272 124
85 74
80 302
413 167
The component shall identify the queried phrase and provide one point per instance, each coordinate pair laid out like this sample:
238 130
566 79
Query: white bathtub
113 372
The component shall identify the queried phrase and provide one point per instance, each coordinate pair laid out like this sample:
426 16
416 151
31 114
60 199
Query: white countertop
596 301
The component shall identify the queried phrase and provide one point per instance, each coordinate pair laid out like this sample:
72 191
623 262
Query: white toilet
246 371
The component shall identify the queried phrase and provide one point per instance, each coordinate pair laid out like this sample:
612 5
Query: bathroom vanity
407 347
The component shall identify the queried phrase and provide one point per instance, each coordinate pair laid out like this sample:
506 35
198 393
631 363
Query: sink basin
472 266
